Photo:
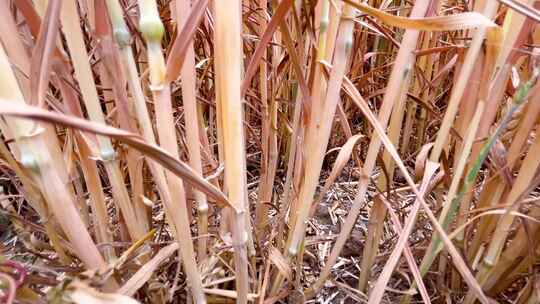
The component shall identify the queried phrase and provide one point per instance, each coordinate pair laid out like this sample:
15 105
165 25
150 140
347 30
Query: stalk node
152 29
293 251
156 87
122 37
157 67
202 208
488 262
107 155
30 162
324 25
241 243
348 44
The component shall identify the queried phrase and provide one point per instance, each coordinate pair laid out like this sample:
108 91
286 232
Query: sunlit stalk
228 43
318 134
83 73
152 31
183 8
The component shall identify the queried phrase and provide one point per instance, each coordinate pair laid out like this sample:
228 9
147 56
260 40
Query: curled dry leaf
419 165
342 159
455 22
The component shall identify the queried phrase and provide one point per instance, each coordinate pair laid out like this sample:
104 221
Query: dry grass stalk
152 30
189 81
83 73
227 34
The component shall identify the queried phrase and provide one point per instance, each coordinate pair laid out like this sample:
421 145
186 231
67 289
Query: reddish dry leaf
42 53
407 250
183 41
275 21
344 155
133 140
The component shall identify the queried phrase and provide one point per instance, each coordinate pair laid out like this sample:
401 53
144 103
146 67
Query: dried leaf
419 165
183 41
441 23
43 52
133 140
281 263
342 159
280 13
147 270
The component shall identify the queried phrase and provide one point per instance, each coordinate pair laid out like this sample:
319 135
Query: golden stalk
183 8
228 44
152 30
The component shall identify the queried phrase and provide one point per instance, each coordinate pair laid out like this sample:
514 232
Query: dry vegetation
330 151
